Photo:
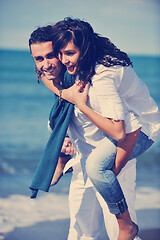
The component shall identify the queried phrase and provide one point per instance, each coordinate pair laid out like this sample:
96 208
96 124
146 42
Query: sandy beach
47 216
58 230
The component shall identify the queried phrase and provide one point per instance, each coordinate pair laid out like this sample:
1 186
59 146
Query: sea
24 109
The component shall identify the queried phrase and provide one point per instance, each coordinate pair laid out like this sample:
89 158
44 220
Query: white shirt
116 92
123 96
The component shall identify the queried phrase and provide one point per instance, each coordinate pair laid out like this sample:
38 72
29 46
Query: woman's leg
99 167
127 180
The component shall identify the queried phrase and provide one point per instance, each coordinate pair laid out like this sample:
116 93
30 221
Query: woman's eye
70 53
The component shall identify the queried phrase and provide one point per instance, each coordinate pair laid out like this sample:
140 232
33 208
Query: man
47 65
87 208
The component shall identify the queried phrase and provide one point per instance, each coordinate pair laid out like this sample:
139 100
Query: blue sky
132 25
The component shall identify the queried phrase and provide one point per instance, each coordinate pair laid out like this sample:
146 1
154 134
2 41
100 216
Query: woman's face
69 57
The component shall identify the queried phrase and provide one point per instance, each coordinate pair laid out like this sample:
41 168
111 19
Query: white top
123 96
116 92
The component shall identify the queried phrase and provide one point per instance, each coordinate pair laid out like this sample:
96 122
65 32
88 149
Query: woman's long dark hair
93 47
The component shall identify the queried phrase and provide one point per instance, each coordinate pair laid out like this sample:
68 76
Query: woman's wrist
65 94
83 107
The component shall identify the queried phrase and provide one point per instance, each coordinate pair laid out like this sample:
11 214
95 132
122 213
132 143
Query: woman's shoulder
114 73
100 68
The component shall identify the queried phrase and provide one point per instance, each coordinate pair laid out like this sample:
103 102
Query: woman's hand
78 94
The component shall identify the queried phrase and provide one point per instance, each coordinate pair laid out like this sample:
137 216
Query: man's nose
47 63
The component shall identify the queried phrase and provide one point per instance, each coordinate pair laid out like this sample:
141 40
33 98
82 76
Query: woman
119 105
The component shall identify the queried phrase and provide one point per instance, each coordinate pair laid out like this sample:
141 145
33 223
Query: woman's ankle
127 229
128 232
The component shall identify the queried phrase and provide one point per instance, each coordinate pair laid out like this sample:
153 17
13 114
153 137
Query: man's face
45 60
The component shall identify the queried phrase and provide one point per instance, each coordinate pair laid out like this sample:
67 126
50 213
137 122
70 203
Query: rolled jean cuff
118 208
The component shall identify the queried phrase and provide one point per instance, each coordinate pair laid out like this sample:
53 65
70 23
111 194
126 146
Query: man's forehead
41 48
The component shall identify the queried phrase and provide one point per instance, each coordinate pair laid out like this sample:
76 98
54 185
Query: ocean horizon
25 106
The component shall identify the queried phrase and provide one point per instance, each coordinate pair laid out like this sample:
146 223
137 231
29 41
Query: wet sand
58 230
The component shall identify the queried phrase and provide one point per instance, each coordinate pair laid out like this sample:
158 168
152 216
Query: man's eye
51 55
38 59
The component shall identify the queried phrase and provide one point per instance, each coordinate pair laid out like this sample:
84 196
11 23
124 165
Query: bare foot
56 177
59 169
128 231
58 172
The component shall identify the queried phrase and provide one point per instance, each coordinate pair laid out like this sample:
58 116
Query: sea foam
21 211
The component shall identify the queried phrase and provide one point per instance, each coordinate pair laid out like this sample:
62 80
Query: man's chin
50 78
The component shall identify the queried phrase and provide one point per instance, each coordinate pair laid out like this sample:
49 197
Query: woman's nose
64 59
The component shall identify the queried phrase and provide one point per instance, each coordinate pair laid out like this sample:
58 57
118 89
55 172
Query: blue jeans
99 165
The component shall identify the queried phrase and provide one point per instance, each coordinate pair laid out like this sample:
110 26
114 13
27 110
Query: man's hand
67 147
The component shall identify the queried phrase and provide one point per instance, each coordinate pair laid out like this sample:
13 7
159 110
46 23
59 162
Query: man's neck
58 80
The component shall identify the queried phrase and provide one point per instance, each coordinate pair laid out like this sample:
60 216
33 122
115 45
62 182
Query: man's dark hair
40 35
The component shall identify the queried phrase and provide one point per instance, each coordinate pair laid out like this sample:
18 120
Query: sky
132 25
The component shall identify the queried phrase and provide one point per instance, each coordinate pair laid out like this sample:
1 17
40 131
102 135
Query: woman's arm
114 129
56 87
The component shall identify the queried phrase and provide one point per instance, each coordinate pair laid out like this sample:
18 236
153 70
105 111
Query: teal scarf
59 120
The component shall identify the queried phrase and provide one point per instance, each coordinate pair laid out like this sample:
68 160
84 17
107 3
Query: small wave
21 211
5 168
147 198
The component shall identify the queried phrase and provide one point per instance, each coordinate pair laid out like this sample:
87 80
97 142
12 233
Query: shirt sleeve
106 90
